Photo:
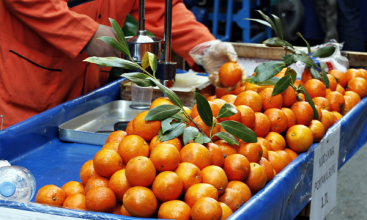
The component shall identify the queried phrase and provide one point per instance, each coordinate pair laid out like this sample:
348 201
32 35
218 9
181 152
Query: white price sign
325 172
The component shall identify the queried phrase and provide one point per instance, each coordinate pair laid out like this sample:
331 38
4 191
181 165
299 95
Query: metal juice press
142 43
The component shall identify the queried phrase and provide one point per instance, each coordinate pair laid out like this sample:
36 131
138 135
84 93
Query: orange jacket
41 64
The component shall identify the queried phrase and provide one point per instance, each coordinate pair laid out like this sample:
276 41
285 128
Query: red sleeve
53 21
186 31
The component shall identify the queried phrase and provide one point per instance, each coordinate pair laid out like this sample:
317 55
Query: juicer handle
141 15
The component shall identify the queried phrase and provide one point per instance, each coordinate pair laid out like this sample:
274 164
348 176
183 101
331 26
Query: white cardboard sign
325 172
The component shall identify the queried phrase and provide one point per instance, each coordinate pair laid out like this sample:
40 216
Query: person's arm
53 21
186 31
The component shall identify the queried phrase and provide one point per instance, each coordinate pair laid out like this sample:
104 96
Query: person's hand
99 48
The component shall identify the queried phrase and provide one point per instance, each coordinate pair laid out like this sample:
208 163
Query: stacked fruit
135 174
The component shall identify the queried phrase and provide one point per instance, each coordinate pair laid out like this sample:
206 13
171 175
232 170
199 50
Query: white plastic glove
212 55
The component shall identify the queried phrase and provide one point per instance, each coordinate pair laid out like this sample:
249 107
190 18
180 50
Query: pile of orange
135 174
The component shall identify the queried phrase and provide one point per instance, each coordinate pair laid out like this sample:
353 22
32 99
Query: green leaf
282 85
202 138
169 93
161 112
269 20
139 79
259 21
114 43
292 73
309 100
189 134
149 59
307 60
289 59
315 74
227 137
276 41
268 82
227 110
113 62
166 124
326 79
145 61
120 35
278 22
204 109
177 130
324 52
180 117
267 70
240 131
308 45
160 133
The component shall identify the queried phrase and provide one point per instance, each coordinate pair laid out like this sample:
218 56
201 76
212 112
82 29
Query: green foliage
227 110
161 112
282 85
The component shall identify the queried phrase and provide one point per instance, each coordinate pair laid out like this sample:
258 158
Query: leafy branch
174 119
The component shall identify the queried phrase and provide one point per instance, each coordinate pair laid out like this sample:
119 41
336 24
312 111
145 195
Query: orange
278 120
240 88
100 199
328 91
281 73
242 188
349 100
160 101
322 102
230 74
107 162
187 110
145 129
216 154
269 101
129 128
277 141
219 103
140 202
213 106
298 82
229 98
264 143
124 212
117 136
165 157
174 209
340 77
353 73
359 86
299 138
73 187
265 164
303 112
167 186
216 177
133 146
336 100
117 209
254 87
236 167
265 152
337 116
236 117
94 182
346 108
306 75
211 98
354 95
340 89
301 97
112 145
206 208
219 92
189 174
200 190
87 171
119 184
289 97
256 179
75 201
50 195
206 129
196 154
332 82
250 99
276 161
140 171
291 153
226 211
252 151
291 117
247 116
232 198
226 148
155 141
285 156
364 73
315 88
319 112
318 130
262 124
327 120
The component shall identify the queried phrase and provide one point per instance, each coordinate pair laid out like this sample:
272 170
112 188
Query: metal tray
93 127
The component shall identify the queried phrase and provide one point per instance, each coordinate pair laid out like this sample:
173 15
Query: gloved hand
212 55
99 48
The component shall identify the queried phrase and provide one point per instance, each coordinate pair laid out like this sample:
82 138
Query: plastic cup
141 97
